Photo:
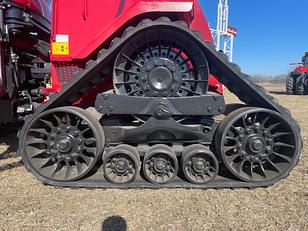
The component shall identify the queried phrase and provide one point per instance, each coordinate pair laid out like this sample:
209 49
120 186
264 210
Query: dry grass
25 204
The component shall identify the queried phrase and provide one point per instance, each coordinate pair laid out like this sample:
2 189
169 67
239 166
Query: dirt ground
25 204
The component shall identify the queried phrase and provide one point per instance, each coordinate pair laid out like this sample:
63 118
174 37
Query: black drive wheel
160 164
199 164
257 144
161 62
121 164
290 84
62 144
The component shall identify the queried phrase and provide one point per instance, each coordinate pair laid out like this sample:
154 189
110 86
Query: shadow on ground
114 223
8 147
278 92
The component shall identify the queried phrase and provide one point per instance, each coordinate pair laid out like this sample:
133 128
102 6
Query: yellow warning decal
60 48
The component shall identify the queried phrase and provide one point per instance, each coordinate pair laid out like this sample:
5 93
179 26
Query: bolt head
57 130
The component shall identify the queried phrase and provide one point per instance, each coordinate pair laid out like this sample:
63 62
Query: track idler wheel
199 164
160 164
62 144
257 144
121 164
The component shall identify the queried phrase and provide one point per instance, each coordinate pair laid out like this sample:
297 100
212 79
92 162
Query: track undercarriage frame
161 125
166 143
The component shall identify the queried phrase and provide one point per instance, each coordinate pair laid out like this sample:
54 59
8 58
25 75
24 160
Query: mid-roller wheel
62 144
160 164
199 164
121 164
257 144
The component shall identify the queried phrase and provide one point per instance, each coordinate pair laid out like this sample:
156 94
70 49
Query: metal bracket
160 108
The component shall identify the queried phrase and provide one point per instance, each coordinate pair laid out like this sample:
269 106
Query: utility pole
223 35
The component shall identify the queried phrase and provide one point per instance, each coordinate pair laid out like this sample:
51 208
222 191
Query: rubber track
290 84
228 73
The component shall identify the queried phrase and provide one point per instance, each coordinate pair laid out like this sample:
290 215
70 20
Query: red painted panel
89 23
302 69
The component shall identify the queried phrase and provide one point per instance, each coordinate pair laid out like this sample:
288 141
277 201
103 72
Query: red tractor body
83 31
301 69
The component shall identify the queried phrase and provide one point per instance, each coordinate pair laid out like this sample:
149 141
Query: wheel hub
121 165
256 145
160 79
200 165
64 144
160 165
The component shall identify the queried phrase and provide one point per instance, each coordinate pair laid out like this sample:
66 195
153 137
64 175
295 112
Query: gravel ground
25 204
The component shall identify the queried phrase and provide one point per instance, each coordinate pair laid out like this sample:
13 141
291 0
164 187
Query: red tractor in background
297 80
134 99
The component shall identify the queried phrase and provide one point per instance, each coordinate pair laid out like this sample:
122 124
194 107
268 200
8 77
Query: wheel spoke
90 141
86 159
273 165
58 119
127 71
265 121
239 166
227 149
255 118
49 124
281 144
130 60
244 122
39 131
40 154
68 169
279 134
126 83
58 167
68 119
34 141
233 157
271 127
288 159
232 138
263 172
47 163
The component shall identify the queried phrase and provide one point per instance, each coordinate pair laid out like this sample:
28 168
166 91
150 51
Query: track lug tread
102 52
163 19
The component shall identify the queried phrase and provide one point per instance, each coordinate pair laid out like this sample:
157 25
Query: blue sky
272 33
